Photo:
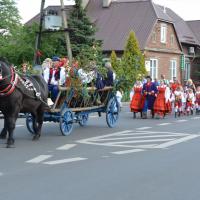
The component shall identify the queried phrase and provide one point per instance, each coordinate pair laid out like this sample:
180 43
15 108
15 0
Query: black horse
25 94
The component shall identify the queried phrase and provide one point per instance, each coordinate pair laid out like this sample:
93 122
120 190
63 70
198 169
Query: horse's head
4 70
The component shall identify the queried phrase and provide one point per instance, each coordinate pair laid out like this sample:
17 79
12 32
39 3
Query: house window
153 68
153 37
172 40
163 33
173 68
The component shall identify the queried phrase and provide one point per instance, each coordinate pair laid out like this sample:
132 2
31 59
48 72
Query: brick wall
164 52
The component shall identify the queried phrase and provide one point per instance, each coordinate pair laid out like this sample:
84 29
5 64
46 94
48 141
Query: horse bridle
11 85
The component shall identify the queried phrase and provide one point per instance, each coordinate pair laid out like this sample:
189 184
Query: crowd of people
162 97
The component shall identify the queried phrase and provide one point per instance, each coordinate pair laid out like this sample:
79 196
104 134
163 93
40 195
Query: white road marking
143 128
137 137
182 120
195 118
163 124
87 141
39 159
127 151
68 160
18 125
93 116
177 141
66 147
138 141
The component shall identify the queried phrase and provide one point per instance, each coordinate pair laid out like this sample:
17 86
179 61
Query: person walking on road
149 92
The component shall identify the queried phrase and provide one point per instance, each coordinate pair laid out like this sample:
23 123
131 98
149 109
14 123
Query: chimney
106 3
164 9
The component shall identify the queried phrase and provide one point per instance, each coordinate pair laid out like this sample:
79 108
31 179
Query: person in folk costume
24 68
190 100
137 99
56 77
178 102
109 80
197 101
162 105
149 92
174 84
190 85
162 78
46 65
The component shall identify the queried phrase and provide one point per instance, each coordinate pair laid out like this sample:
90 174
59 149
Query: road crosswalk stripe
66 147
143 128
137 137
182 120
19 125
195 118
68 160
163 124
177 141
127 151
39 159
138 141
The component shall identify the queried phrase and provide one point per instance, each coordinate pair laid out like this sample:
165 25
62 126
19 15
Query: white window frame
163 33
173 68
153 68
172 39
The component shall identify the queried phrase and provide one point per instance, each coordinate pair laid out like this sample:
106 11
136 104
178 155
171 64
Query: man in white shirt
55 76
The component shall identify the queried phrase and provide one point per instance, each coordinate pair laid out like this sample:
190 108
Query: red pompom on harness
11 86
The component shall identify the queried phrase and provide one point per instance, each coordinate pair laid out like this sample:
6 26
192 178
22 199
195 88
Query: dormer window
163 33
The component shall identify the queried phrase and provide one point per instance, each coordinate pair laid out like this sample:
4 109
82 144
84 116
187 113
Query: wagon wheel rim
29 124
66 122
112 113
83 119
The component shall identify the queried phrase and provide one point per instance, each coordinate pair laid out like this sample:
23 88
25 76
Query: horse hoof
2 136
10 143
36 137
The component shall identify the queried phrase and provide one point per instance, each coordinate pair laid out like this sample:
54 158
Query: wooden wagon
75 105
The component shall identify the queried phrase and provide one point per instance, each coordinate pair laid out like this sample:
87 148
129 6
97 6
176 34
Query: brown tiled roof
195 27
184 32
115 22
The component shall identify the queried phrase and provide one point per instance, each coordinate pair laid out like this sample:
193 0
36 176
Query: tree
84 45
9 16
115 64
132 64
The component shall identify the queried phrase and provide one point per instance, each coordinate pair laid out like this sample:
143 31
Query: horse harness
15 79
11 85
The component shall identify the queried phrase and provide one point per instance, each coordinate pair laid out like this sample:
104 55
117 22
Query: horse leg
4 132
39 122
11 120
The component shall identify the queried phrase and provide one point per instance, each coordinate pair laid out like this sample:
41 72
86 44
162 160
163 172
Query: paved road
139 159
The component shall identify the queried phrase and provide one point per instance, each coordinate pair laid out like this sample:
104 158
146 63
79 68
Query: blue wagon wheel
29 123
112 112
66 121
83 119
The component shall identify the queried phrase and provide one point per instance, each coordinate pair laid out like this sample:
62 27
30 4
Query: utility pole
38 39
66 33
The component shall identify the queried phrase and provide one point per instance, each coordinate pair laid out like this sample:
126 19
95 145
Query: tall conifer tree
84 45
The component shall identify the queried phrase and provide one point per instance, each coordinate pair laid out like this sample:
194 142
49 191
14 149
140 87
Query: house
166 40
195 27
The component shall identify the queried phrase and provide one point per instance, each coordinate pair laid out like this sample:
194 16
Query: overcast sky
187 9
